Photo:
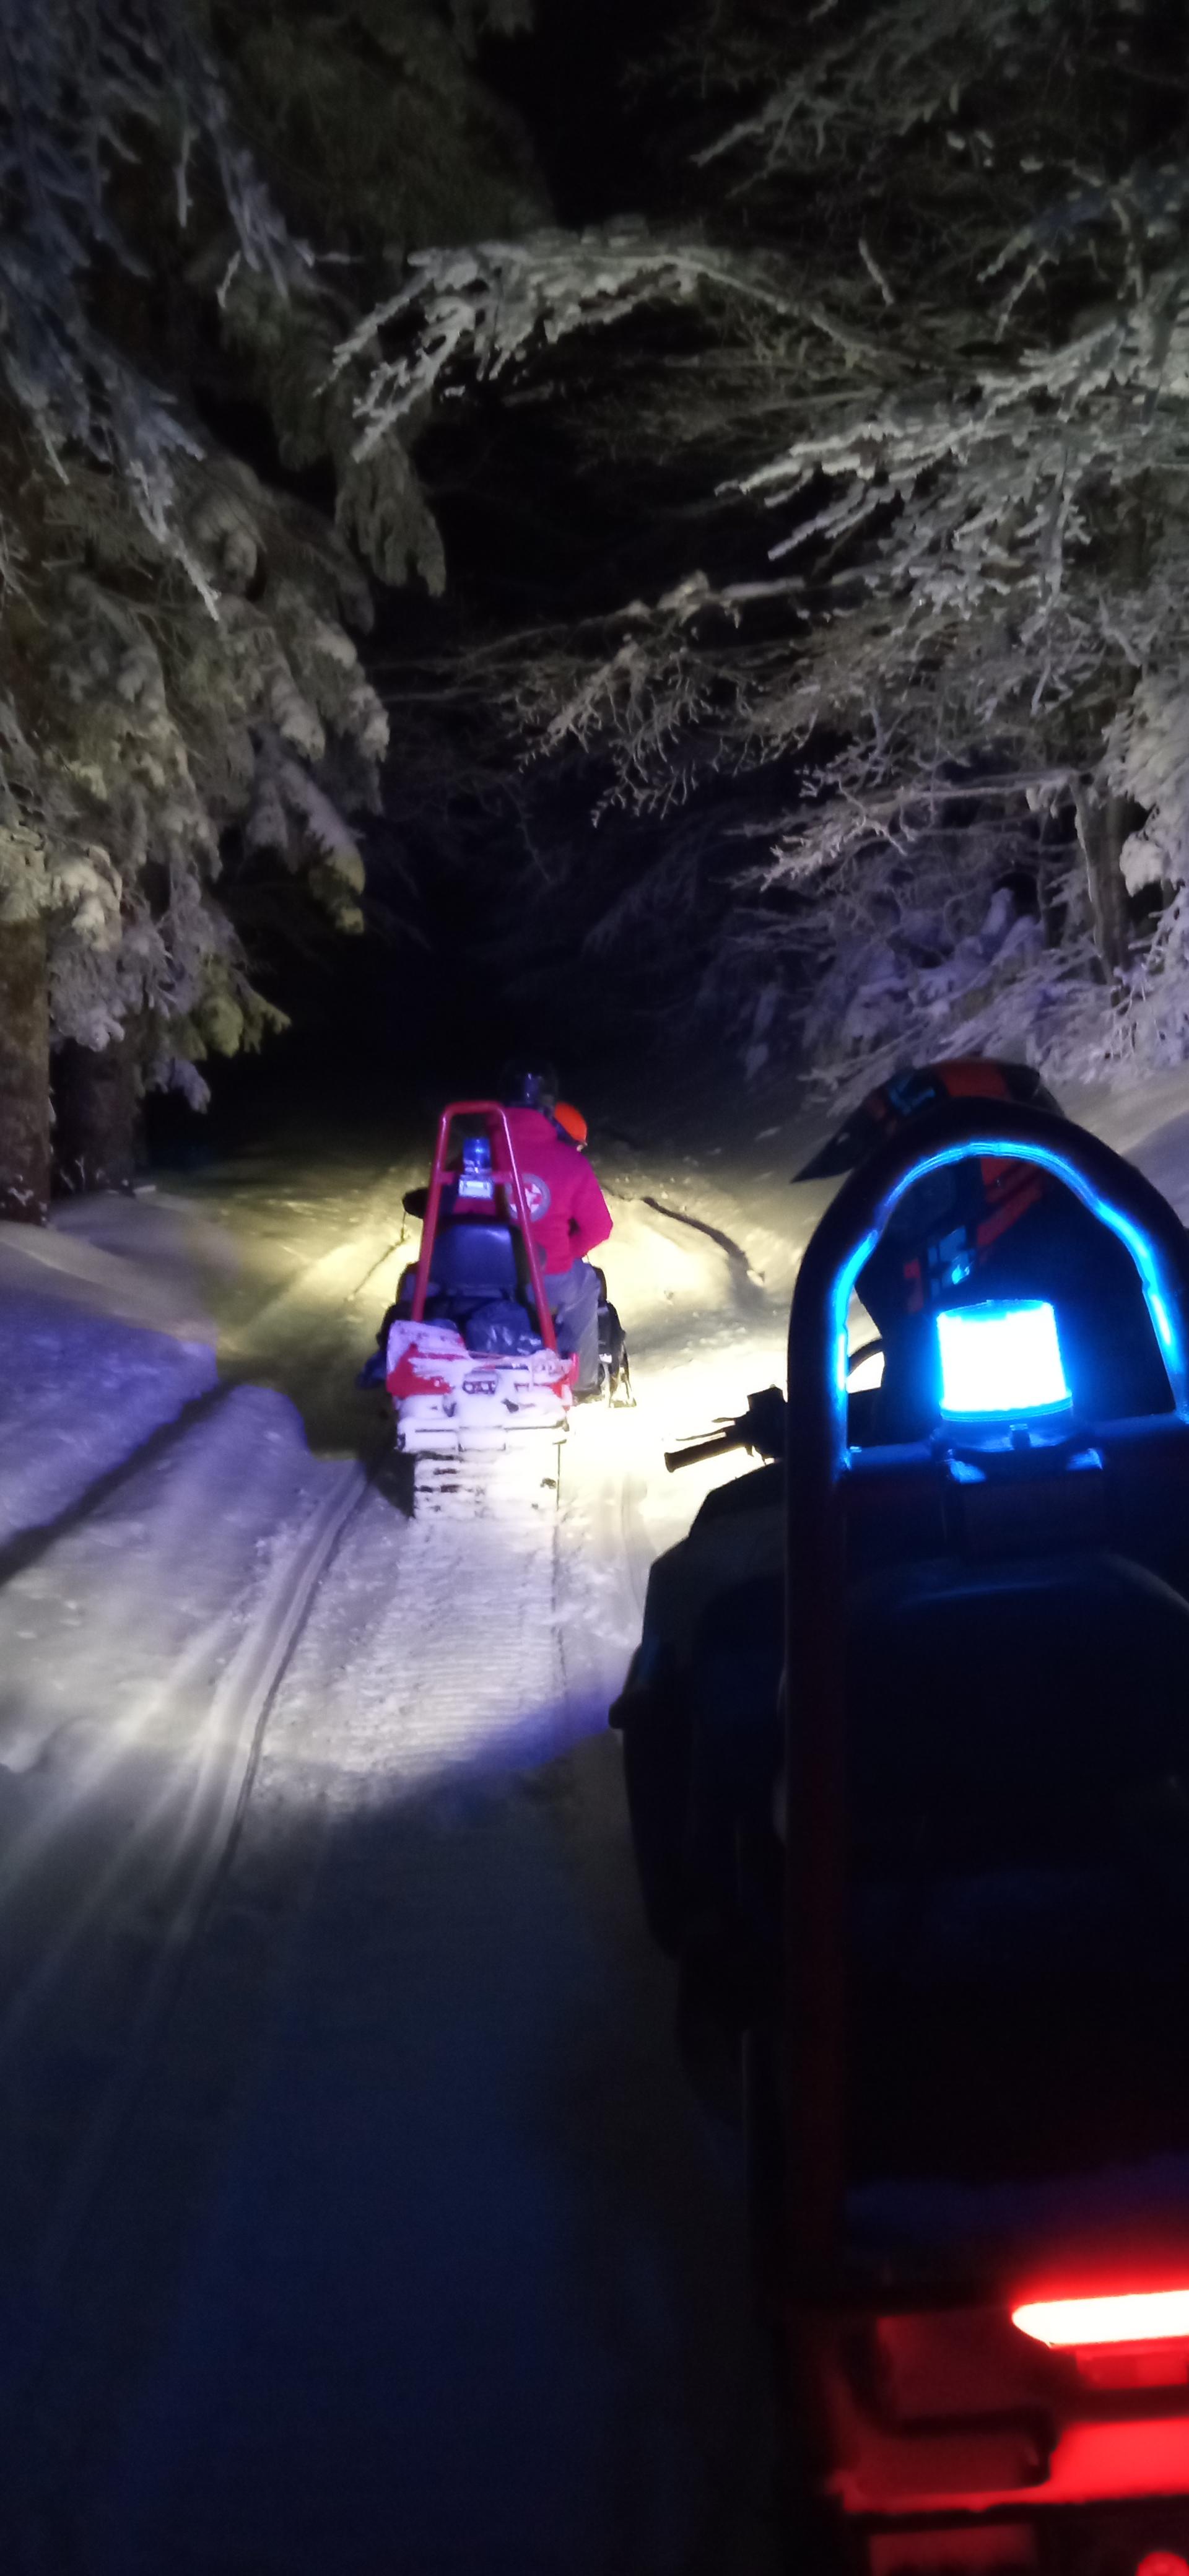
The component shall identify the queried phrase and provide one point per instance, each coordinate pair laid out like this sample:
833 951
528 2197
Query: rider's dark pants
574 1297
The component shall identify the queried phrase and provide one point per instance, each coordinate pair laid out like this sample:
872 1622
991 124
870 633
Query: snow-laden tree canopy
181 694
910 337
943 271
141 721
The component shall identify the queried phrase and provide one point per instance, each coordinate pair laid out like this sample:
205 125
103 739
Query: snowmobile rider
565 1208
988 1229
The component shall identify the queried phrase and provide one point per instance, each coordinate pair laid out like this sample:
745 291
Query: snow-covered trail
391 2238
357 2213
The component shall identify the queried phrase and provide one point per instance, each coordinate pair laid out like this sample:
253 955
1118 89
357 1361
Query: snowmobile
471 1362
480 1391
907 1741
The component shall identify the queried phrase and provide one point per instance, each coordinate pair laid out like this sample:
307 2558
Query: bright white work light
1001 1361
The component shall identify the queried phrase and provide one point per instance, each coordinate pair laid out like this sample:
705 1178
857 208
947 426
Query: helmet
531 1085
571 1121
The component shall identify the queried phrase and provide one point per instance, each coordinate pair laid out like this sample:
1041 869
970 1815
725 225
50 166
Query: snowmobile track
749 1291
488 1486
240 1710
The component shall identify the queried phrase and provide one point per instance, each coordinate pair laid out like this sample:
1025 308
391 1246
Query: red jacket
566 1208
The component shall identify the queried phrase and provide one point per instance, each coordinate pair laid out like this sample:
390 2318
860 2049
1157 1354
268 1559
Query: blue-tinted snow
79 1392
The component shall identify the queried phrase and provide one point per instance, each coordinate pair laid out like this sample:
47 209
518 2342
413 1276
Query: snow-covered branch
482 311
86 86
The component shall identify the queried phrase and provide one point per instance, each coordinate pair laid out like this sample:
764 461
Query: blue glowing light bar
1001 1361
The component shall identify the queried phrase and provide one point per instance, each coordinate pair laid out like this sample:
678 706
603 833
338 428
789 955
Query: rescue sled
957 1842
480 1392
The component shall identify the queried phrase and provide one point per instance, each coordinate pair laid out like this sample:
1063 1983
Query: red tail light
1136 2339
1131 2317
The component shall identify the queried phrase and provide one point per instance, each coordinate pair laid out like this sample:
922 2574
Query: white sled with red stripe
472 1364
450 1399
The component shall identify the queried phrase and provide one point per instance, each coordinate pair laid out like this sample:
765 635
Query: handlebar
760 1428
692 1453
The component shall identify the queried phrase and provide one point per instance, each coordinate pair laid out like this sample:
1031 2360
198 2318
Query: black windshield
907 1096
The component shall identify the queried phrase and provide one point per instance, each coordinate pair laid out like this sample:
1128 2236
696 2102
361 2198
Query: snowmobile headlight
1001 1361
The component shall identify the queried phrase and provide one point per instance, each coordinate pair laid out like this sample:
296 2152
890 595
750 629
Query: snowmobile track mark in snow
748 1289
242 1703
494 1485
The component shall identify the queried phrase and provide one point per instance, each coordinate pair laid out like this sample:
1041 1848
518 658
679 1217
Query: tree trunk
1103 824
24 1074
97 1110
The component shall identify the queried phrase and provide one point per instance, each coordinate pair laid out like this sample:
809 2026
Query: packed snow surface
357 2212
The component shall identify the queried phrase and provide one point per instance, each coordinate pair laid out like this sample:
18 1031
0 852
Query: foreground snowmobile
907 1743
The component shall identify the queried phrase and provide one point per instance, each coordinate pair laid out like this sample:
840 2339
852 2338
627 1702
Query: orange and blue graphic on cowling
1009 1188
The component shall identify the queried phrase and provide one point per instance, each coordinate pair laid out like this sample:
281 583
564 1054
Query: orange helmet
571 1121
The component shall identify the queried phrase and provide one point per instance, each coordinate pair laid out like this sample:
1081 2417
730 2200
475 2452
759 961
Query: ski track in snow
131 1657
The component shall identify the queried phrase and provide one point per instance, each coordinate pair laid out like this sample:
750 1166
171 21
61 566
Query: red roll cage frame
818 1461
505 1177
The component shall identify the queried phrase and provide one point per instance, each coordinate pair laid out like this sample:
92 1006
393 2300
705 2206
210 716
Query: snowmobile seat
475 1260
1020 1868
1016 1705
477 1284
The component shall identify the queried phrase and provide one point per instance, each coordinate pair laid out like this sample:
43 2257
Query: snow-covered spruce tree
180 698
989 505
999 495
382 141
172 662
145 721
971 377
378 133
